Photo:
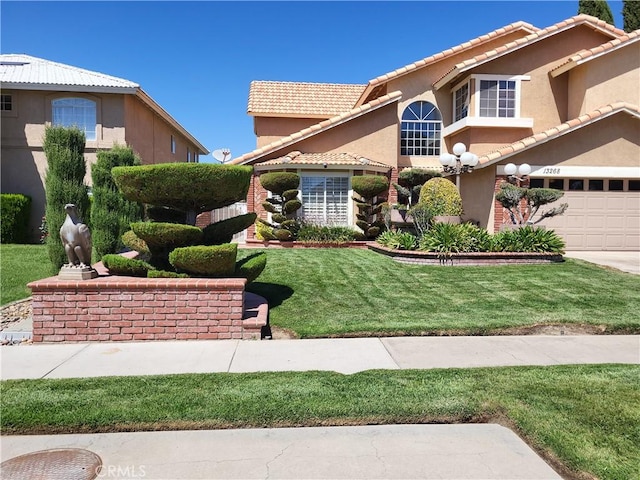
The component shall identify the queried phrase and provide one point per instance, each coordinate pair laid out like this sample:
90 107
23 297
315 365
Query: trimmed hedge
210 261
15 209
185 186
368 186
251 266
131 240
119 265
280 182
224 230
165 274
166 235
165 215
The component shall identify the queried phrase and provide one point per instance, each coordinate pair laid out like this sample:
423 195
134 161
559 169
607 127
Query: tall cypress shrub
630 15
111 213
64 183
596 8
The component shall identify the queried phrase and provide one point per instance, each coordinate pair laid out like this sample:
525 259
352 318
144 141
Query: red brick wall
116 308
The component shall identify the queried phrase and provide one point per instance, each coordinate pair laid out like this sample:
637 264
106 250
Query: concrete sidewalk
344 355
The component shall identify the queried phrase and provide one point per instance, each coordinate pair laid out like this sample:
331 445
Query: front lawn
19 265
348 292
585 416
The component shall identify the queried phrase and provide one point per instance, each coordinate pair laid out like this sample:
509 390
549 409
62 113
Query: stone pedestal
76 272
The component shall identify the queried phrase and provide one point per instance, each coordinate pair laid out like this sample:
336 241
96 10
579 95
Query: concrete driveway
625 261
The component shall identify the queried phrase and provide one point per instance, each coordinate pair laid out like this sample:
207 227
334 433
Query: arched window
75 112
420 131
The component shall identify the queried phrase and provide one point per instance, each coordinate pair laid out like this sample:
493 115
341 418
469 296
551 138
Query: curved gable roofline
559 27
558 131
252 157
586 55
412 67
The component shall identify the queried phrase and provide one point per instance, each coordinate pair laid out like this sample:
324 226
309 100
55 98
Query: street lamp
523 171
459 162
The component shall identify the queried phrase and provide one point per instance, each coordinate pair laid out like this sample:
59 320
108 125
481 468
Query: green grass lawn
19 265
585 416
343 292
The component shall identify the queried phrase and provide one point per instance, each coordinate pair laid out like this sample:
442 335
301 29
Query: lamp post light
523 172
460 161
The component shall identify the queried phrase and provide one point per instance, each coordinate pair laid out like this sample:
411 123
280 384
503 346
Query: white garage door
599 220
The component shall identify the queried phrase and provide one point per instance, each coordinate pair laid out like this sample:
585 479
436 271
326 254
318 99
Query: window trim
440 124
59 98
332 173
14 105
173 145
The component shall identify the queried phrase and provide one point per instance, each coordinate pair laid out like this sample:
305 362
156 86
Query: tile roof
589 54
25 71
305 133
345 158
315 100
557 131
527 27
468 64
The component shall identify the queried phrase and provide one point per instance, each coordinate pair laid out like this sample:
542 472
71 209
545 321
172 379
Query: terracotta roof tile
554 132
445 53
316 100
344 158
320 127
596 23
588 54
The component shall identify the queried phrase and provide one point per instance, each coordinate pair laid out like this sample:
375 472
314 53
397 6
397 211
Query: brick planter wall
114 308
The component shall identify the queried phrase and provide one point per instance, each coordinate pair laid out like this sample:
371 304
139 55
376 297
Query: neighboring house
564 99
36 93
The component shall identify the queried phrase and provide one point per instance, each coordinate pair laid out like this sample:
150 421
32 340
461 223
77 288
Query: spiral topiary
283 205
369 207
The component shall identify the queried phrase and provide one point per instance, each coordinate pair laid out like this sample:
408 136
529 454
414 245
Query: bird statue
76 238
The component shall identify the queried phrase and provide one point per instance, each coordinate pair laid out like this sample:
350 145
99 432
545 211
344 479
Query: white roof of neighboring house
24 72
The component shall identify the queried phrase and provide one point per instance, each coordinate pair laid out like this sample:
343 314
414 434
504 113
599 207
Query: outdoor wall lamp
460 161
523 171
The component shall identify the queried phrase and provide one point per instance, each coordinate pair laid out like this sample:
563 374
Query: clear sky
197 59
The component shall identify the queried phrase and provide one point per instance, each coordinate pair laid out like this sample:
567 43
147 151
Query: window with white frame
461 102
325 199
6 103
75 112
173 144
421 128
498 98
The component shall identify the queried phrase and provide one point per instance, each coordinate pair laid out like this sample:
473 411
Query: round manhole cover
54 464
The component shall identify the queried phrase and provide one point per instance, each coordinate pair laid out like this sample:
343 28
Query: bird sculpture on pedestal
76 238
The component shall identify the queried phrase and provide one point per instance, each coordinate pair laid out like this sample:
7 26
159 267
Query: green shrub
368 187
165 274
264 231
190 187
210 261
251 266
523 204
224 230
449 238
442 197
311 233
283 235
529 239
64 183
131 240
166 235
120 265
280 182
15 209
410 181
165 215
397 240
111 213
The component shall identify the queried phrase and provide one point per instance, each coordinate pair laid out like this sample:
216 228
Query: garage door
598 220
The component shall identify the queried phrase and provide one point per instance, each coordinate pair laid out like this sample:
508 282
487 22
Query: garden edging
416 257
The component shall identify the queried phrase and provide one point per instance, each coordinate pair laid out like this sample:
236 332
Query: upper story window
75 112
6 103
461 102
498 98
421 128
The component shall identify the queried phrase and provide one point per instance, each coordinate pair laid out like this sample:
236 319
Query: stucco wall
270 129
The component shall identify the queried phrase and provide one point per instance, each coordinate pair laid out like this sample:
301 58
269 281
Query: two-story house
563 99
110 110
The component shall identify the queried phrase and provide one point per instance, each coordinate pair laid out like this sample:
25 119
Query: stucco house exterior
38 92
563 99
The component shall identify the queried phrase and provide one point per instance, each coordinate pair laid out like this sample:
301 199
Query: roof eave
68 88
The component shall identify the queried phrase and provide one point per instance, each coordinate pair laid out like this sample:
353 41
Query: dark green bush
251 266
64 183
449 238
15 210
166 235
165 215
120 265
280 182
190 187
210 261
111 213
282 234
312 233
368 186
224 230
131 240
410 181
165 274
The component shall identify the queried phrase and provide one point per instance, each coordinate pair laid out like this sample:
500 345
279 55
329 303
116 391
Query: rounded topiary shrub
132 241
165 214
120 265
166 235
442 197
224 230
189 188
280 182
210 261
368 186
251 266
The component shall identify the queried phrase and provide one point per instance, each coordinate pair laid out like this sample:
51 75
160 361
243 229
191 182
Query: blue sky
197 59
